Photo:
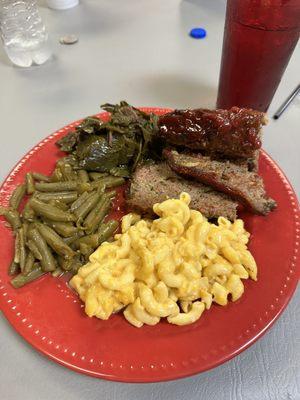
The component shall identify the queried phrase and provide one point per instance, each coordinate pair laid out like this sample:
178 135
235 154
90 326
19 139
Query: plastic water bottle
23 33
62 4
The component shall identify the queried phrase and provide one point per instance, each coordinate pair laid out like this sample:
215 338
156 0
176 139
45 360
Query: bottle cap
198 33
62 4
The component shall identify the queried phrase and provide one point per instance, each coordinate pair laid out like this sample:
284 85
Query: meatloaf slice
225 176
233 133
154 183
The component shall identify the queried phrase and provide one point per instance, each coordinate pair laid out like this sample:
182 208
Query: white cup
62 4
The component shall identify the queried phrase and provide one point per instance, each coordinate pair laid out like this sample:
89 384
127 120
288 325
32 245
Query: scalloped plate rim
19 328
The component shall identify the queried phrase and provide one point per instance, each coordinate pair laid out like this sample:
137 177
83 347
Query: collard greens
117 145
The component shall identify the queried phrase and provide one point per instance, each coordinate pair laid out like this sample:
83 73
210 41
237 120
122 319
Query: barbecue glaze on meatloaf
225 176
232 133
154 183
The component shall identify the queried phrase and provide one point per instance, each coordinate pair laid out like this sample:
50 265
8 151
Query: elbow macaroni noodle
174 266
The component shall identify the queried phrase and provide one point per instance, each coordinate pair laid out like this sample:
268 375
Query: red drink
259 39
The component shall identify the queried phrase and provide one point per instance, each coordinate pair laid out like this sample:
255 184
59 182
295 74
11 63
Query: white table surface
140 51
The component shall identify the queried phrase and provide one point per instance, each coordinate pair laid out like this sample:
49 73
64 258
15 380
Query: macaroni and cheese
172 267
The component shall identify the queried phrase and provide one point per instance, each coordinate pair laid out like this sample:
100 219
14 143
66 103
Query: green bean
111 194
56 186
90 240
114 182
84 187
49 211
70 240
58 272
30 227
70 159
69 265
106 230
17 249
81 199
101 189
28 213
22 248
59 204
97 215
63 186
21 279
83 176
64 229
30 188
25 226
41 177
55 241
95 184
109 182
14 268
59 162
34 250
94 176
12 217
87 206
65 264
17 196
85 249
67 172
65 197
76 265
120 172
48 262
56 175
29 264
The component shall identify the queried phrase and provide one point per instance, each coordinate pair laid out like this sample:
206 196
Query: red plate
51 318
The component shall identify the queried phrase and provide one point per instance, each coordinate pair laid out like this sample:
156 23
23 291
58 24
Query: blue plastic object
198 33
